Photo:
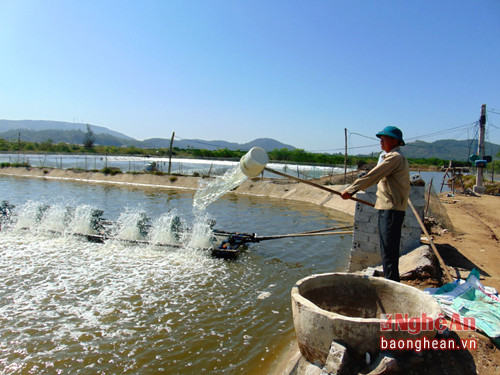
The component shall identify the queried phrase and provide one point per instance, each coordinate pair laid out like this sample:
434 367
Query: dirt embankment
268 187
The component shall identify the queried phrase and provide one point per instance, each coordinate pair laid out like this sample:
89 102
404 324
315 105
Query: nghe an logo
416 325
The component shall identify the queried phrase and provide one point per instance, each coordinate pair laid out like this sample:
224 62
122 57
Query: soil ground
471 242
474 239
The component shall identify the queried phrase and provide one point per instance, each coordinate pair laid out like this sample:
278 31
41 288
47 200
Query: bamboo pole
328 229
265 238
441 261
170 153
322 187
345 157
428 197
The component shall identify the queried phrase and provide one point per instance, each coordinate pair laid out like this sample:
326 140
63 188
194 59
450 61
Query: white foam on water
201 233
54 219
128 225
27 215
113 307
167 228
80 220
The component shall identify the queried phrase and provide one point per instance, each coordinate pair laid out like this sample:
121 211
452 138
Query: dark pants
389 226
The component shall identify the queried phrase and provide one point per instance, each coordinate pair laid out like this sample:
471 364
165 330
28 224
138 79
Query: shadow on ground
454 259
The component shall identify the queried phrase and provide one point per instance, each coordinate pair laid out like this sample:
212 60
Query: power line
461 128
490 124
364 136
446 131
342 148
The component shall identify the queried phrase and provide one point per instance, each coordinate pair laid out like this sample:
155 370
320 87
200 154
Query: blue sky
296 71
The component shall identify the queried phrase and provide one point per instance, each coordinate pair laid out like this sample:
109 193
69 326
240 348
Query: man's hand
346 195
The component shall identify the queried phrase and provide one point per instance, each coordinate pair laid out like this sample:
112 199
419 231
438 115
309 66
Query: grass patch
492 188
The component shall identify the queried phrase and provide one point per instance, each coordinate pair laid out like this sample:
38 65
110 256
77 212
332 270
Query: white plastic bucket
254 162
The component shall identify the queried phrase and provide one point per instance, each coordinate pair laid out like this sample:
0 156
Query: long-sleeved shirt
393 177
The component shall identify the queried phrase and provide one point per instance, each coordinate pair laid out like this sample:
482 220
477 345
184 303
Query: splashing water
206 195
201 233
68 305
81 220
131 225
168 228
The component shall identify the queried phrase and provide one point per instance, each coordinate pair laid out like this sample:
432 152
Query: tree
89 139
47 145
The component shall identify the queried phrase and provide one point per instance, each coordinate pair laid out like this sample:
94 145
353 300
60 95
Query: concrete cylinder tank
348 308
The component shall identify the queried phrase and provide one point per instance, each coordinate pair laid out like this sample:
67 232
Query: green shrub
14 165
111 171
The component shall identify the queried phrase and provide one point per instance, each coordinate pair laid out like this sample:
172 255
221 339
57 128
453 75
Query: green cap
393 132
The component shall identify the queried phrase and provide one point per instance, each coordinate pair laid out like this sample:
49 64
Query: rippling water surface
71 306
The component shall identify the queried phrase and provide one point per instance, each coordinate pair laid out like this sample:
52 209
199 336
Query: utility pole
345 156
18 146
479 188
170 153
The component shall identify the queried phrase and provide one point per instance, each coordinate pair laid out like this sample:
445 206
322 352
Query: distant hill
447 149
65 136
267 144
38 125
58 131
190 143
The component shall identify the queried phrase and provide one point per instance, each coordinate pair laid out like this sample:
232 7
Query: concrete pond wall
365 250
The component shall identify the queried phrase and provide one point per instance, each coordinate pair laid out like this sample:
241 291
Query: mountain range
37 125
57 131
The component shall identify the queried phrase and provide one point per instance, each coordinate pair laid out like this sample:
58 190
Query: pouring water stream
251 165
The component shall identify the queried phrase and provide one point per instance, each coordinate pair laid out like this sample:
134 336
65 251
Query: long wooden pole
317 185
345 157
170 153
264 238
428 197
441 261
328 229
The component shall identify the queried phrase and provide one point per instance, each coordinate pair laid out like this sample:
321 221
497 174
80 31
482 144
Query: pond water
71 306
184 166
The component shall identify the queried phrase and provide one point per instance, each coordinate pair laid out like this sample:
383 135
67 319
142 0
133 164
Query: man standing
393 189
